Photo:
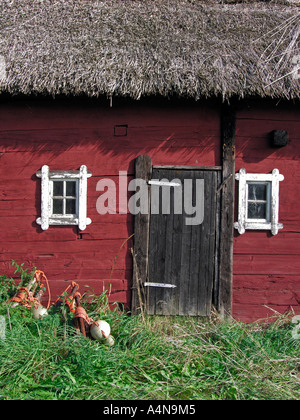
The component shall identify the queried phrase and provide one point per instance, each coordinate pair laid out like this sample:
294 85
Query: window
64 197
258 197
258 201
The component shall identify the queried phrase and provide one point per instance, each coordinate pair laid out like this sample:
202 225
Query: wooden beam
189 168
228 124
143 170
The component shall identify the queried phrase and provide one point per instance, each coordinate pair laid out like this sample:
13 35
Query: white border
243 223
46 218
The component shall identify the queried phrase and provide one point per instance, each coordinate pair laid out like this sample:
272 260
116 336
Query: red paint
266 268
65 137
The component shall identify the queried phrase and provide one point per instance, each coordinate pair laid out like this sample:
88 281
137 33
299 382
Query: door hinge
171 286
164 183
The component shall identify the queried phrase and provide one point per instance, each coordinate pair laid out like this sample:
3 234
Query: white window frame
47 217
271 223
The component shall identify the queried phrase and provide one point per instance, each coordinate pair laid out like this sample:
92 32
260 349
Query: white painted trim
64 174
243 223
45 199
82 199
46 218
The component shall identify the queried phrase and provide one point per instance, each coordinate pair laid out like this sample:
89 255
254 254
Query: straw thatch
189 48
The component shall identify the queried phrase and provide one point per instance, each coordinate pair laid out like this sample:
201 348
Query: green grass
157 358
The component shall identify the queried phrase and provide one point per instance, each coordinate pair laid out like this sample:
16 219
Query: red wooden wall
65 136
267 268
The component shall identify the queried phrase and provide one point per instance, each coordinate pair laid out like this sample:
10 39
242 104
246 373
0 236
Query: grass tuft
160 358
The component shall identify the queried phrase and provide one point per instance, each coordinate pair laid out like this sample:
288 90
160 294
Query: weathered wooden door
183 247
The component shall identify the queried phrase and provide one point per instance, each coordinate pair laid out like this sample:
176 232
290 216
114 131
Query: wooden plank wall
181 254
266 268
65 136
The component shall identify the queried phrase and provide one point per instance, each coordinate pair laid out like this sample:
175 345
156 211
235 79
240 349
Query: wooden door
182 276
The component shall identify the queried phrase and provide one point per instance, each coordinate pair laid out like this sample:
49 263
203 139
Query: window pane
71 188
257 191
58 187
70 206
257 210
57 206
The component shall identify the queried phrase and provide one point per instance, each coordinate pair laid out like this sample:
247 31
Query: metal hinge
171 286
164 183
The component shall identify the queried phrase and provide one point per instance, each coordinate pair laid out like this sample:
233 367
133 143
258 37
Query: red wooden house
199 102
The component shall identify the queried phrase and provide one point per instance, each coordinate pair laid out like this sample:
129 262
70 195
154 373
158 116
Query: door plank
143 170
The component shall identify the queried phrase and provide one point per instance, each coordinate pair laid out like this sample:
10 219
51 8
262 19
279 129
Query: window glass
64 198
57 206
257 210
71 188
58 188
258 200
257 191
70 206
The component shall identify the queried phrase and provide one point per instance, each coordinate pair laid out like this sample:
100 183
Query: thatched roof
189 48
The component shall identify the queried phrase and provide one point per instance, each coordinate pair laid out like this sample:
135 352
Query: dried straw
189 48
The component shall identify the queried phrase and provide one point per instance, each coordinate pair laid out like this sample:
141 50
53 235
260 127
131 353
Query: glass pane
58 188
57 206
257 191
70 206
71 188
257 210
